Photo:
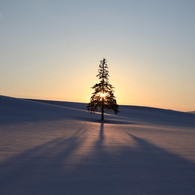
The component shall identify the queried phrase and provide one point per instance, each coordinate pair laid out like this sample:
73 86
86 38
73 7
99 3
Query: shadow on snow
58 168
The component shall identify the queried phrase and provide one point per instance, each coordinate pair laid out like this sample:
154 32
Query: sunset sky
50 49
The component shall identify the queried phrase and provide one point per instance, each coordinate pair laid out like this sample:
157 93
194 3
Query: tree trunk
102 115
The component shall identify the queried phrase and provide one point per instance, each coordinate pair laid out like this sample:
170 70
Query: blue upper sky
51 50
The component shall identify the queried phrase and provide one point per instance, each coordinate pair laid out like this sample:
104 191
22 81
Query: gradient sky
50 49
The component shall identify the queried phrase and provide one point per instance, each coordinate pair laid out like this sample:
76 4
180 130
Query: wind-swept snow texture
64 150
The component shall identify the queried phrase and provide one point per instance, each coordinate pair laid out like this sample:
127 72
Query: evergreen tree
103 97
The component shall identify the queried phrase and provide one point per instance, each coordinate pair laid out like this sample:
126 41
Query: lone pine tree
103 98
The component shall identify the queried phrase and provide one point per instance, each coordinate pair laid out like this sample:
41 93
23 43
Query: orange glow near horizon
130 89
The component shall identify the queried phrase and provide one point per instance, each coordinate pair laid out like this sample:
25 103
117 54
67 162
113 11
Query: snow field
48 149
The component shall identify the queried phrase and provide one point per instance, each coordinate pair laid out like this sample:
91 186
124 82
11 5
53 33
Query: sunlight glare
102 94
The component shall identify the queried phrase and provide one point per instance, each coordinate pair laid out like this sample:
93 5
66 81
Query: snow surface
49 147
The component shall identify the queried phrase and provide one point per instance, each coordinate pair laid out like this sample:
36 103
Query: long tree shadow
146 169
54 168
102 131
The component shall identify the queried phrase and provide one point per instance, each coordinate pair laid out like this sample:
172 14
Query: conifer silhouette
103 98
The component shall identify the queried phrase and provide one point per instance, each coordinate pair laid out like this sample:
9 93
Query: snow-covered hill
139 114
60 148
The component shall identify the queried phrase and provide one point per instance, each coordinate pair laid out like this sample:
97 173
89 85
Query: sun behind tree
103 97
